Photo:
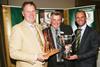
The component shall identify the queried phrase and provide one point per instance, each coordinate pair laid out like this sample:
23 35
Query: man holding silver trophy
85 47
54 36
67 41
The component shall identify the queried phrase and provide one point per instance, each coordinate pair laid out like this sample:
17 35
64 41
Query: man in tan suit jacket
26 42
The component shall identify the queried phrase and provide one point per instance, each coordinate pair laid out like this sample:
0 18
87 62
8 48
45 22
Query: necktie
57 40
78 35
58 44
39 36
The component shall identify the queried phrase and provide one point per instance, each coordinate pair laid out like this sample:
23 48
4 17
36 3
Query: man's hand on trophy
51 52
67 51
68 48
42 57
73 57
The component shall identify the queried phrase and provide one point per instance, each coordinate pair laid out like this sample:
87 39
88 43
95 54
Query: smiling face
55 21
29 13
80 18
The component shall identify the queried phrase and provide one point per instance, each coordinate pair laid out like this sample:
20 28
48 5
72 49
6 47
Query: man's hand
42 58
68 48
73 57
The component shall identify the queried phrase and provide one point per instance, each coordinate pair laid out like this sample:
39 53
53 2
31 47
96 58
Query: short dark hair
79 12
28 2
56 13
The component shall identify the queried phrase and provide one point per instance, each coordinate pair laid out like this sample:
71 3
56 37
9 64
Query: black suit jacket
88 49
67 30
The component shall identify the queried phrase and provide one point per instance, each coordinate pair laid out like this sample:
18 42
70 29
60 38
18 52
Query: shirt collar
28 24
83 27
54 28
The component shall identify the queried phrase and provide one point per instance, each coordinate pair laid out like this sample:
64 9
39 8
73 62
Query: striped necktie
78 36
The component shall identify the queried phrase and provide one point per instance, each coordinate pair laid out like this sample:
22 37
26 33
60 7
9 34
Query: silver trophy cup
67 43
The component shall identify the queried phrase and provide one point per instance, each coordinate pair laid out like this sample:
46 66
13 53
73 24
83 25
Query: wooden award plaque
49 50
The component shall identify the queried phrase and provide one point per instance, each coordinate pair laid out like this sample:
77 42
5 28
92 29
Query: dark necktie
78 36
58 40
58 44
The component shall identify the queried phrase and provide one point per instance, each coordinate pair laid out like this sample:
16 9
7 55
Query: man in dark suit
85 54
56 25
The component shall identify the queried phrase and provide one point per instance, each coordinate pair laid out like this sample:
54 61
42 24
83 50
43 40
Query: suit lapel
26 28
40 34
30 34
86 32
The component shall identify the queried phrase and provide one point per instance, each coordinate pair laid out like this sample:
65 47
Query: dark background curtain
97 17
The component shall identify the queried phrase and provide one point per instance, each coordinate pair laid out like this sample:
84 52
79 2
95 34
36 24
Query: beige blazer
24 47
